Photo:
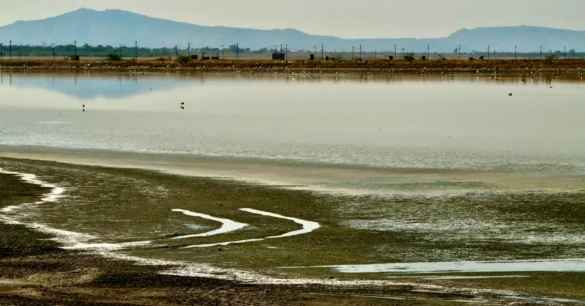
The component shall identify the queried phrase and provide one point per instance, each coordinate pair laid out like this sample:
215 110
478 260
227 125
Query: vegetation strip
569 66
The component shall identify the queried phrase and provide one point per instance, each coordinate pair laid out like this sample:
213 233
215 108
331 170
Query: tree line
123 51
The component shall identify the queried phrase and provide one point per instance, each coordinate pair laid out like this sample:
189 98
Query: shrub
113 57
336 57
183 59
409 57
551 58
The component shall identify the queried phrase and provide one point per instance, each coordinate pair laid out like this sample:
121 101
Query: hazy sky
345 18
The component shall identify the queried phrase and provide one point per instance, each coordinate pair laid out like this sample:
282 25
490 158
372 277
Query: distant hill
114 27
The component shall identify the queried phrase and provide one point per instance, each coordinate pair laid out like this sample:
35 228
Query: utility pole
222 52
565 52
459 51
19 51
360 52
428 52
352 52
238 50
189 49
315 50
286 52
176 51
488 52
1 52
11 50
53 47
515 53
395 53
120 50
136 50
75 49
322 51
540 52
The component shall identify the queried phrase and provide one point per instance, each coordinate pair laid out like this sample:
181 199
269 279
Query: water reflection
380 119
87 85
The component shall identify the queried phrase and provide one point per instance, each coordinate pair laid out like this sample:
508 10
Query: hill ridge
116 26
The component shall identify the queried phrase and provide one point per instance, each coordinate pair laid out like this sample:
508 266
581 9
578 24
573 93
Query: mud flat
35 269
104 206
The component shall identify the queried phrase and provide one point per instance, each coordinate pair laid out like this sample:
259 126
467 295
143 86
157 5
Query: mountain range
114 27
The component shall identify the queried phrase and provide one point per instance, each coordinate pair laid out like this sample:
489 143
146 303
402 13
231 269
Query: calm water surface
402 122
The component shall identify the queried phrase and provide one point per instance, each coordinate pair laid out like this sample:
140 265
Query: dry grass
560 66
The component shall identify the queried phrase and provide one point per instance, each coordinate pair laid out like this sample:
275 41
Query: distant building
278 56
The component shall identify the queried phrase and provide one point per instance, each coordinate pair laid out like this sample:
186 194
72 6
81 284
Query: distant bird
182 103
182 107
510 94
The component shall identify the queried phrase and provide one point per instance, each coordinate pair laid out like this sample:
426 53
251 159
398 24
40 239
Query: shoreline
24 275
557 67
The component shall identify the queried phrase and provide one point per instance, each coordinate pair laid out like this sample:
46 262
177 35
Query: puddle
456 277
473 277
551 265
227 225
308 226
538 299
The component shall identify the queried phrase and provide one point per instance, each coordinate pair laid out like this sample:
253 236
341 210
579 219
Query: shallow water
400 122
564 265
226 225
405 122
427 170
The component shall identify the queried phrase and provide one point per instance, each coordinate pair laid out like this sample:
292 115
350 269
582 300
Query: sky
343 18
